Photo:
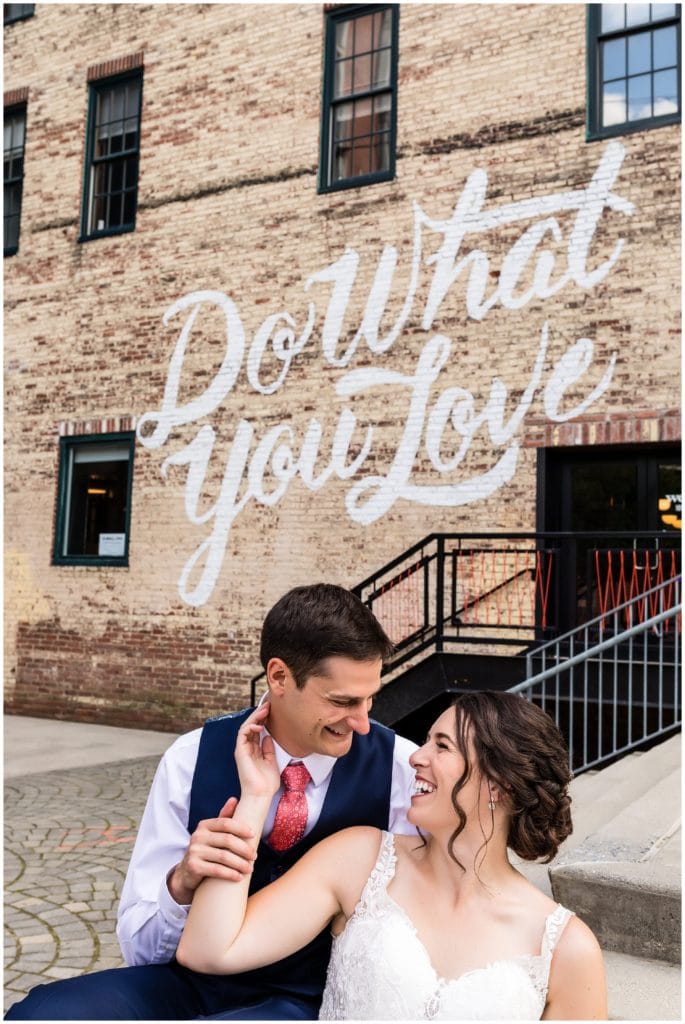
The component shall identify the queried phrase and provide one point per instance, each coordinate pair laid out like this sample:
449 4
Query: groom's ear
277 674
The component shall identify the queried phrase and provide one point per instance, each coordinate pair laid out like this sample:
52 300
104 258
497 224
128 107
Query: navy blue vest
358 794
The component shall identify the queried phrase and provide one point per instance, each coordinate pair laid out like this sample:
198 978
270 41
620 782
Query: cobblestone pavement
68 840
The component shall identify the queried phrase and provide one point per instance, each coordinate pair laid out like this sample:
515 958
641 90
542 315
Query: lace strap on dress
382 874
554 926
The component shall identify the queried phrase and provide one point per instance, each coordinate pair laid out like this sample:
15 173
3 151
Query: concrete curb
624 880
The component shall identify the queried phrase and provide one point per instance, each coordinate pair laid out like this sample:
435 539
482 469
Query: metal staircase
587 624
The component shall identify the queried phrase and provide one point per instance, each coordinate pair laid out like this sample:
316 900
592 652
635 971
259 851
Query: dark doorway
597 491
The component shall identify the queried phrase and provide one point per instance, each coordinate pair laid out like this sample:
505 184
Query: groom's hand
217 849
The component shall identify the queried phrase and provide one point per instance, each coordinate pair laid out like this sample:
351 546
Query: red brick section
152 676
115 67
14 96
98 425
645 425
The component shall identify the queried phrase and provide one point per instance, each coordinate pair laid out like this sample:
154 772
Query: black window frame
27 11
66 446
595 37
96 88
333 19
17 180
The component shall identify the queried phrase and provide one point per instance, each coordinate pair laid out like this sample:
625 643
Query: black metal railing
613 684
508 590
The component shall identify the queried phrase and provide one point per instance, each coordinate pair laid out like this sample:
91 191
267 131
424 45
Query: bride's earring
491 802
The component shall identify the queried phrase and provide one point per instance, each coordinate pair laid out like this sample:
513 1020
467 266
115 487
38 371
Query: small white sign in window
112 544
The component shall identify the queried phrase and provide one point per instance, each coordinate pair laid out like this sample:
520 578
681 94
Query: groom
322 650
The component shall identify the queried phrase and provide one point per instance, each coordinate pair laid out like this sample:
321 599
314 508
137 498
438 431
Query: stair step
624 879
600 796
642 989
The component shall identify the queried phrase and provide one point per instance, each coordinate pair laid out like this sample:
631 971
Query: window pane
116 140
115 210
381 113
343 78
382 29
363 110
381 68
660 11
639 56
342 121
613 17
12 200
99 213
102 111
363 29
97 504
381 153
639 97
342 161
614 58
129 207
665 47
117 104
344 35
18 125
614 104
131 134
362 158
116 182
362 73
132 99
637 14
665 93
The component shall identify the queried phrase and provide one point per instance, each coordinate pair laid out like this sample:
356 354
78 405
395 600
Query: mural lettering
262 468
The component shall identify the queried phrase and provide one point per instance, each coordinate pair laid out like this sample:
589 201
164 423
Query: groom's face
323 715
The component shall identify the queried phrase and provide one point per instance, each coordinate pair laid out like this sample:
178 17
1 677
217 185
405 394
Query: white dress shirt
150 922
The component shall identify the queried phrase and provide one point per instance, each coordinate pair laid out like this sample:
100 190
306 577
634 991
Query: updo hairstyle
520 749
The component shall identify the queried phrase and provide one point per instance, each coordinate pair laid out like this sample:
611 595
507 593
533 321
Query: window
15 130
112 150
634 67
17 12
95 476
359 112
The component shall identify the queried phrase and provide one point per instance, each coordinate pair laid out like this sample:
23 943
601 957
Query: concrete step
642 989
624 879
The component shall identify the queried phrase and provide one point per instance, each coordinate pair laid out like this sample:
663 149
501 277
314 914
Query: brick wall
228 203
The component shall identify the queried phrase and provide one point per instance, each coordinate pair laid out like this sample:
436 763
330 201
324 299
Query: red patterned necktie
291 813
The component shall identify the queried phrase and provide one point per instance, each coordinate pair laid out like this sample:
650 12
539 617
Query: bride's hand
255 757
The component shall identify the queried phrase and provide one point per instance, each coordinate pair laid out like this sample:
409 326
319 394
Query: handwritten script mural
262 468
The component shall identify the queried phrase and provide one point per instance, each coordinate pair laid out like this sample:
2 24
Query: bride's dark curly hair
520 749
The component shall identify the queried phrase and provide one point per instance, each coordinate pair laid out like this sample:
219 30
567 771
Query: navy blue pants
159 992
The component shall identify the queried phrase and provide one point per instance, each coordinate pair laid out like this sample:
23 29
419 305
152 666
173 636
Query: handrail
592 652
614 703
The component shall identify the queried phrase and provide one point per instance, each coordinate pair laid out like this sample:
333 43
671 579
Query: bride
437 925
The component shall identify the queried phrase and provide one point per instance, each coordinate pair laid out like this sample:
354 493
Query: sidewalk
74 795
43 745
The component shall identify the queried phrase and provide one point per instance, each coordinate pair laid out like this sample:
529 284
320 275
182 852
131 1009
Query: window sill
360 182
617 130
92 561
109 233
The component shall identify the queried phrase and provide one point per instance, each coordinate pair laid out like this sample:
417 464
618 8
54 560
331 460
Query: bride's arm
225 933
282 917
577 986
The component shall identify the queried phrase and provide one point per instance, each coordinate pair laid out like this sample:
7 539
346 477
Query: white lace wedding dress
379 970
